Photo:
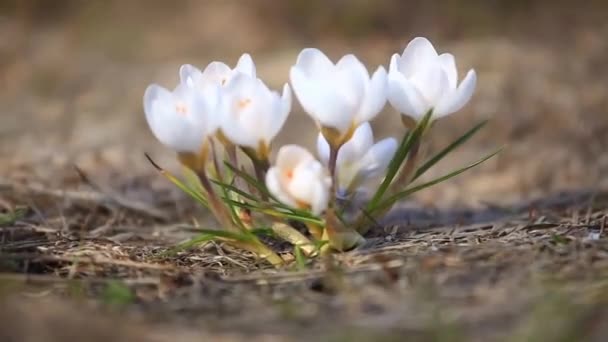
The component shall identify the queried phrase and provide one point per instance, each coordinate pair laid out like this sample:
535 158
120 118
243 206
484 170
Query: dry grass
537 272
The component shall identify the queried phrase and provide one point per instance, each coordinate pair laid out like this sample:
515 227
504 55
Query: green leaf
196 195
386 204
191 243
300 258
250 180
402 151
223 234
435 159
236 190
12 216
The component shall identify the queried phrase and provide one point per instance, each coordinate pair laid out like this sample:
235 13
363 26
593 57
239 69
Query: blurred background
73 73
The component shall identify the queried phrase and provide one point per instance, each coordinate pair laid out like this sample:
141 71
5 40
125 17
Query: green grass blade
250 180
223 234
236 190
435 159
393 199
276 212
402 151
300 258
199 197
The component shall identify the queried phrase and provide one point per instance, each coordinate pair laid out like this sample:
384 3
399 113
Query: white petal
375 96
181 131
321 101
377 158
461 96
432 82
320 197
246 65
314 62
189 75
244 107
217 73
285 106
273 183
417 53
353 79
291 155
323 149
405 98
449 67
357 146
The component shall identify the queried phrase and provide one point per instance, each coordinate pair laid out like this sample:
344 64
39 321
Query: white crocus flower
339 97
216 73
421 80
180 119
360 160
251 114
299 180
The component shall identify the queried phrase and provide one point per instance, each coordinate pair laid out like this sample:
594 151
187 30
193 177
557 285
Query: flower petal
432 82
189 75
323 149
217 73
375 96
404 96
377 158
448 64
416 54
320 197
460 97
353 79
273 183
314 62
321 101
245 65
290 155
355 148
183 131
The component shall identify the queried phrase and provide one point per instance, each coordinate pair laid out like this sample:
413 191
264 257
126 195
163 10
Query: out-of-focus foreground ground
72 76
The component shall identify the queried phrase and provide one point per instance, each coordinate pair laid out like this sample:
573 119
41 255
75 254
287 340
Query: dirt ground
514 250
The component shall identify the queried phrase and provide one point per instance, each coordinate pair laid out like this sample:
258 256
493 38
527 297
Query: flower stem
331 165
261 167
215 204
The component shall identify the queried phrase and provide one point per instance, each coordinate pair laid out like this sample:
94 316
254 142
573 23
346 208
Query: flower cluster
215 114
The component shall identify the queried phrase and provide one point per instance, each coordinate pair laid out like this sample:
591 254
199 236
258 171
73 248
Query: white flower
338 97
299 180
420 80
216 73
359 160
251 114
180 119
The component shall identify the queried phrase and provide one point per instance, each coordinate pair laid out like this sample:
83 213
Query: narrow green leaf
223 234
236 190
276 212
435 159
199 197
300 258
250 180
199 239
395 164
393 199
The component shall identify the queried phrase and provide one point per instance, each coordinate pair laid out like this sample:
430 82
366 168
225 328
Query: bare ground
514 250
